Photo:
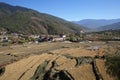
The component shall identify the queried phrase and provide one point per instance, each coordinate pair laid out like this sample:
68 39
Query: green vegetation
2 70
74 38
27 21
40 71
110 33
106 35
113 65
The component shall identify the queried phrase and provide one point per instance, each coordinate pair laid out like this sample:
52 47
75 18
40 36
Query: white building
2 38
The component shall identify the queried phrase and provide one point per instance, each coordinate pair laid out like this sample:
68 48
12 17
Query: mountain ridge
96 23
27 21
114 26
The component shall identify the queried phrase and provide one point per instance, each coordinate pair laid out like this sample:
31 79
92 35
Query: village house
82 32
3 32
52 38
15 35
34 36
3 38
116 38
61 37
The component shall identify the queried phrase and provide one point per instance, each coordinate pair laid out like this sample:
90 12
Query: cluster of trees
113 65
17 40
107 35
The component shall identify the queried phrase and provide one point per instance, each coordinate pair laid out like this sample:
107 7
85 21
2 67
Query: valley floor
55 61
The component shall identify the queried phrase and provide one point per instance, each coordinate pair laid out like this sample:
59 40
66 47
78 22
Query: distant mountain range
27 21
113 26
100 24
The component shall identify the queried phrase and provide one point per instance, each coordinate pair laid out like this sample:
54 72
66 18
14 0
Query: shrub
113 65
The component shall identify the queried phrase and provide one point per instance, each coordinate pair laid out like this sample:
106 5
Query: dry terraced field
54 61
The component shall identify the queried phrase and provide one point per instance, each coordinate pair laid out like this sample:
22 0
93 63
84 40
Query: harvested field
54 61
76 52
83 72
25 68
101 67
13 53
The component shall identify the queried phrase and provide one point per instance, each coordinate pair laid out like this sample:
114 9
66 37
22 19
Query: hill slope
28 21
114 26
95 23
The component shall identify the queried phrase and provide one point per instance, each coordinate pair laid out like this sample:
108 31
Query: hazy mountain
114 26
23 20
95 23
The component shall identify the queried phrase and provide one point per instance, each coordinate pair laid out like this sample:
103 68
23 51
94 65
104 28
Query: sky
73 10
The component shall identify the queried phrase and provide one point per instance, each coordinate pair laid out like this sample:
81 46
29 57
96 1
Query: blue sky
73 10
